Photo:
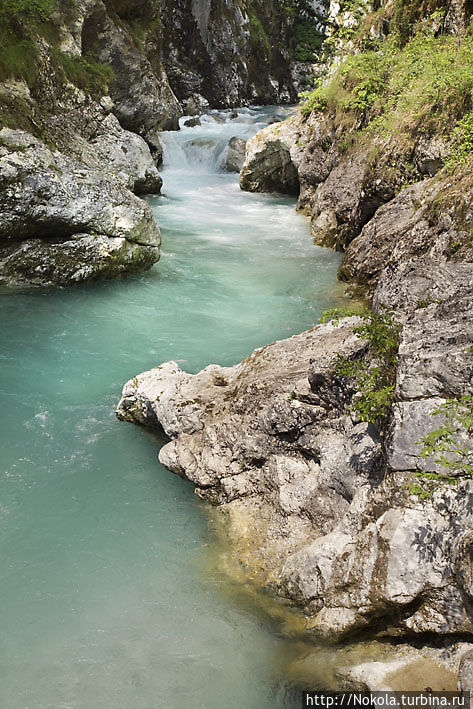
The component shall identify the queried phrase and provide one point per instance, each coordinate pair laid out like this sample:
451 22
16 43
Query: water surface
105 599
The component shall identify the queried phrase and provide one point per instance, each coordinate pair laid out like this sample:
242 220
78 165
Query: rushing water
105 603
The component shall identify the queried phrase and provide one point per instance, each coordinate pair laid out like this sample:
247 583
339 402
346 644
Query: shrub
375 373
453 458
461 143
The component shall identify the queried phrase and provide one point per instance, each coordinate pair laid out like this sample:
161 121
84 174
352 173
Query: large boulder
272 157
63 222
126 156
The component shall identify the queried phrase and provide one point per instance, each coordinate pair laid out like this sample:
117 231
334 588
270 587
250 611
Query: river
105 598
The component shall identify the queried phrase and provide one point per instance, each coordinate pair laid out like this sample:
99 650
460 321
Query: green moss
22 23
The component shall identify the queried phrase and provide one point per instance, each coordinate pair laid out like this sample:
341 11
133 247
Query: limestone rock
271 159
235 154
397 232
143 100
54 200
127 157
272 442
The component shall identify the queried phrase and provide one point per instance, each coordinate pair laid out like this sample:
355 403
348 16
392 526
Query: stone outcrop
228 54
62 222
143 100
318 505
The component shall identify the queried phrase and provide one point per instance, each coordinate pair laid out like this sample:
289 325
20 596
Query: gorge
337 460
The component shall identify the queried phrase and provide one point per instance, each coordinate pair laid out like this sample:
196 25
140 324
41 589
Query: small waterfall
202 147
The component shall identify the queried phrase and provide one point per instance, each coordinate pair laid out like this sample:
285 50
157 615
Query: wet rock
324 228
271 159
195 105
235 154
81 257
192 122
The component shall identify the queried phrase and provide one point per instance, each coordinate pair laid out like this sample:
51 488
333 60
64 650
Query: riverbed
106 601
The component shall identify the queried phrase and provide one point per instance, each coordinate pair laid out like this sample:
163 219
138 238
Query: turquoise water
105 602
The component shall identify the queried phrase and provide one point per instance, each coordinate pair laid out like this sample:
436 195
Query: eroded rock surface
319 505
63 222
235 154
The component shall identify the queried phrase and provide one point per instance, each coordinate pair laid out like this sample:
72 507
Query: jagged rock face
339 190
317 503
342 190
400 230
230 53
63 222
143 100
126 156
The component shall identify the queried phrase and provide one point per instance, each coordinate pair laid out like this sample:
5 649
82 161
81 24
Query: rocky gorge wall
340 460
85 89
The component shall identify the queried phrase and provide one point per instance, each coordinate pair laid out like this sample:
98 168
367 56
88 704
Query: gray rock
411 421
397 232
143 100
195 105
82 257
465 673
271 159
433 361
126 156
235 154
317 508
430 154
51 198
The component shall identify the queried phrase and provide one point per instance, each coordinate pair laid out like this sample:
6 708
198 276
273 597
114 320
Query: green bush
461 142
443 441
374 374
313 101
453 458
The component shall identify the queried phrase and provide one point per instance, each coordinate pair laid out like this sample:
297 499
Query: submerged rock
63 222
192 122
